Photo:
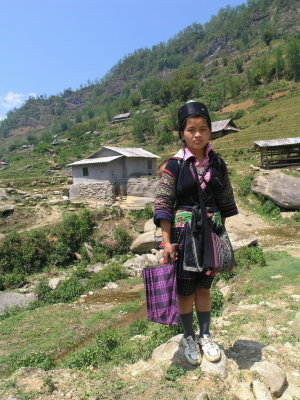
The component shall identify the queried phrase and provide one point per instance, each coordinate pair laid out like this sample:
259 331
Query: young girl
176 195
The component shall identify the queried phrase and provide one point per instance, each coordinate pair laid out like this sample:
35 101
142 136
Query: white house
114 164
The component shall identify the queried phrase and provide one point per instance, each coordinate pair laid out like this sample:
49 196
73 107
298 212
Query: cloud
11 100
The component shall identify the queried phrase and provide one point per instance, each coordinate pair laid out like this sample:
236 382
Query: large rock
238 243
6 210
171 353
260 391
283 189
215 368
243 391
149 226
142 187
272 376
145 242
11 299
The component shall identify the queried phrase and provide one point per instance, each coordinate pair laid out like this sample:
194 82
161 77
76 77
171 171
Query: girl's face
196 134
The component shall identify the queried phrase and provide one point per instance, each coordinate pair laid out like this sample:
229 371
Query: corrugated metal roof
126 115
219 125
278 142
132 152
99 160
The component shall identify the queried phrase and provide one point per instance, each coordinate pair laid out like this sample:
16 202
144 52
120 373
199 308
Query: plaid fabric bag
160 291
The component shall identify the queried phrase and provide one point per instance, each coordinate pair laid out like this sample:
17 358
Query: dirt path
247 224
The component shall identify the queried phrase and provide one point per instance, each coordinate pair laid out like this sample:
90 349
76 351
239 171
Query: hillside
219 63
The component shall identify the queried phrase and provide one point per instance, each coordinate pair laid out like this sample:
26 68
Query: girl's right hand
169 253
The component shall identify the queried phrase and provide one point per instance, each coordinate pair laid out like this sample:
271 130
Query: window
149 164
85 171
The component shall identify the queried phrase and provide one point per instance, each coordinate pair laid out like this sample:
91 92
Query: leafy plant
123 240
249 256
173 373
245 186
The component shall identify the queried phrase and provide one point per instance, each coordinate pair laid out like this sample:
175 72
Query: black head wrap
193 108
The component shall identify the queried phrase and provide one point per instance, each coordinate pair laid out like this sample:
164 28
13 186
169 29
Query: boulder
142 187
144 242
6 210
260 391
238 243
243 392
95 267
215 368
149 226
171 353
111 285
54 282
284 190
11 299
272 376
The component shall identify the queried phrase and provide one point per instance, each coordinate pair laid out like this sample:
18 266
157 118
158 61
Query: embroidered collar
188 154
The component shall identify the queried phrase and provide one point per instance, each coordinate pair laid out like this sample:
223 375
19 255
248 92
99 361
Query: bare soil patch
24 130
238 106
279 94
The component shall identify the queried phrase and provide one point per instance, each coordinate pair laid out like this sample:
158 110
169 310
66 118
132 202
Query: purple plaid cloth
160 291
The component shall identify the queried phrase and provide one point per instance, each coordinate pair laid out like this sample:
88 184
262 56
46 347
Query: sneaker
210 348
191 350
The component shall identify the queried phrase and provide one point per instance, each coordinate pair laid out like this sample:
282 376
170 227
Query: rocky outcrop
283 190
142 187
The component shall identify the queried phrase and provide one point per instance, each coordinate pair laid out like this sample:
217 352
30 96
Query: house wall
112 172
139 166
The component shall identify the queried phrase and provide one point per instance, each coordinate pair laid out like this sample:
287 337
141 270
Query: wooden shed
121 118
222 128
279 153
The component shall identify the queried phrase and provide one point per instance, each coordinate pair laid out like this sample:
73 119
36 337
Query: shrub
12 280
138 327
216 302
173 373
37 360
110 273
66 292
75 229
249 256
296 216
90 356
123 240
107 341
245 186
146 213
270 208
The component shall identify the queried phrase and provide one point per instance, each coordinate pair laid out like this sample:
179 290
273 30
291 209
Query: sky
48 46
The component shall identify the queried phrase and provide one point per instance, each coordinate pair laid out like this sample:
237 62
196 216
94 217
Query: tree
293 59
239 65
142 124
267 36
279 64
